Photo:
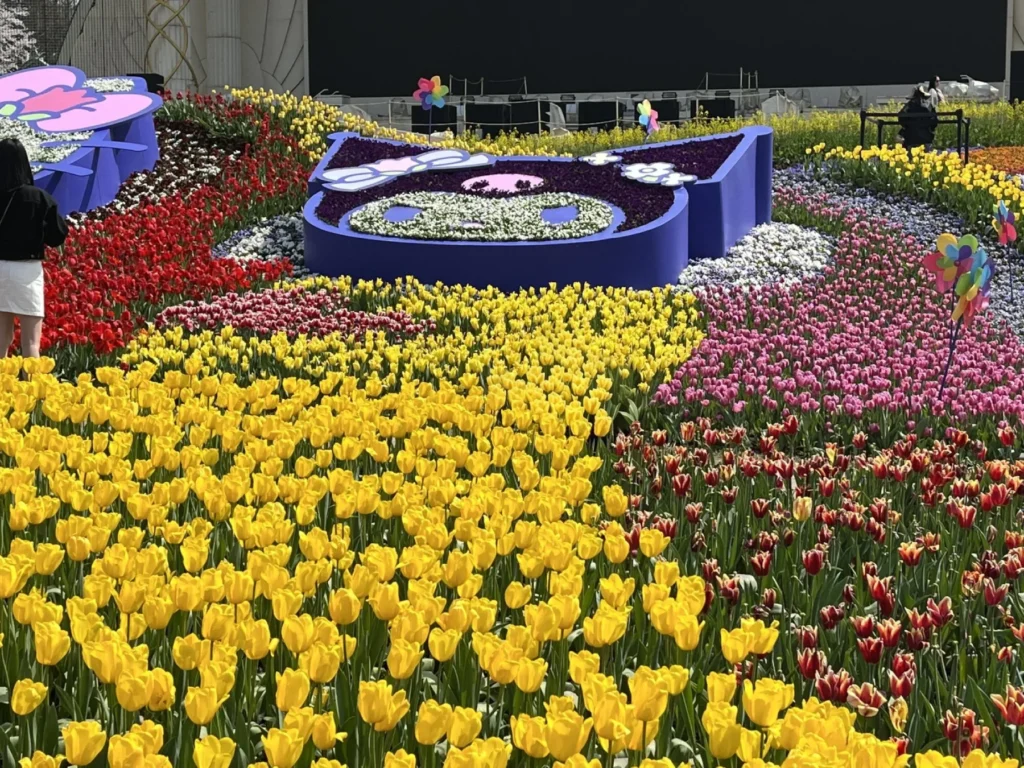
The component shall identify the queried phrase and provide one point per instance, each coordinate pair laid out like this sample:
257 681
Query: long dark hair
933 84
15 170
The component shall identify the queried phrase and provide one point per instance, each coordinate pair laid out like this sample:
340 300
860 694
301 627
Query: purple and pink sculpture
629 217
113 133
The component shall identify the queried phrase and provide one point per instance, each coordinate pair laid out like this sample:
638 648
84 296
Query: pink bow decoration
56 99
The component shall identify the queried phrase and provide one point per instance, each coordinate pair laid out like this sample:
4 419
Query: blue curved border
704 221
92 175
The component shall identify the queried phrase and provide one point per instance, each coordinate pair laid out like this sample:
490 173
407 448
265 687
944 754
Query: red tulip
811 663
870 649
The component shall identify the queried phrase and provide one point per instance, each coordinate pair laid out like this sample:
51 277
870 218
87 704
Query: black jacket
31 222
917 124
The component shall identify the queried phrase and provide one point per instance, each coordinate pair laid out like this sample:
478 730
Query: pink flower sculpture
56 99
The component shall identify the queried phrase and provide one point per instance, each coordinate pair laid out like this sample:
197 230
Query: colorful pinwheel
950 259
1004 223
973 286
431 93
648 116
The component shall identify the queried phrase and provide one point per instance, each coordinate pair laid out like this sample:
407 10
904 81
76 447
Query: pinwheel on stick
648 118
962 268
1004 222
431 96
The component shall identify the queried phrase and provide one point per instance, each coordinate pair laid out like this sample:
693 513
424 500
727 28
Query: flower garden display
248 520
387 209
86 137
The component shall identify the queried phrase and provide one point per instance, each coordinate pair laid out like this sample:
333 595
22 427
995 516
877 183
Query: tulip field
769 518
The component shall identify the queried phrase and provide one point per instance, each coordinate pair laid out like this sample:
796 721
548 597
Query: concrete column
224 43
168 44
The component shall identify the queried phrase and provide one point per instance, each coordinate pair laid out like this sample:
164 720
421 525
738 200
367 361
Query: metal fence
101 37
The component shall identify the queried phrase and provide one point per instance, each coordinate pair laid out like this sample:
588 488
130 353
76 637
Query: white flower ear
601 158
453 160
353 179
371 175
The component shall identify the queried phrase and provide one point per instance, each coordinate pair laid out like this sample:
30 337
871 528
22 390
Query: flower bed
403 524
633 337
291 311
450 216
190 158
865 343
312 122
870 555
771 253
940 178
1009 159
270 239
925 223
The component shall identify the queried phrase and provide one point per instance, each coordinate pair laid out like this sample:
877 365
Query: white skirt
21 288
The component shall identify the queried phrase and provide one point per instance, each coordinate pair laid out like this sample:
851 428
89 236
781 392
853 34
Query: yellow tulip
720 686
566 733
764 700
464 726
133 690
529 735
27 695
125 751
202 704
432 722
52 643
83 741
403 659
649 694
292 689
399 759
282 747
325 733
211 752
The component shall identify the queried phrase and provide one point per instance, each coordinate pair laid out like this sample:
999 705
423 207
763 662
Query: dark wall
381 47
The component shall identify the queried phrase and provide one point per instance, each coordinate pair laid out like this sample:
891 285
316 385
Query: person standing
29 221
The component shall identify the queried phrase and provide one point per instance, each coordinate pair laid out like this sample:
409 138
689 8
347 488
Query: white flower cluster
276 238
770 253
111 84
451 216
601 158
33 141
662 174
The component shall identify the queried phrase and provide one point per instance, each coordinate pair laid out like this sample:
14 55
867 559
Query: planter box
706 218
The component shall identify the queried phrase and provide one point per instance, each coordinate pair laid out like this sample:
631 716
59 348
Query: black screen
566 46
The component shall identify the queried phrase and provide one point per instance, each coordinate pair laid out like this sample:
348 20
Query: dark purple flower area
642 203
701 158
355 152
